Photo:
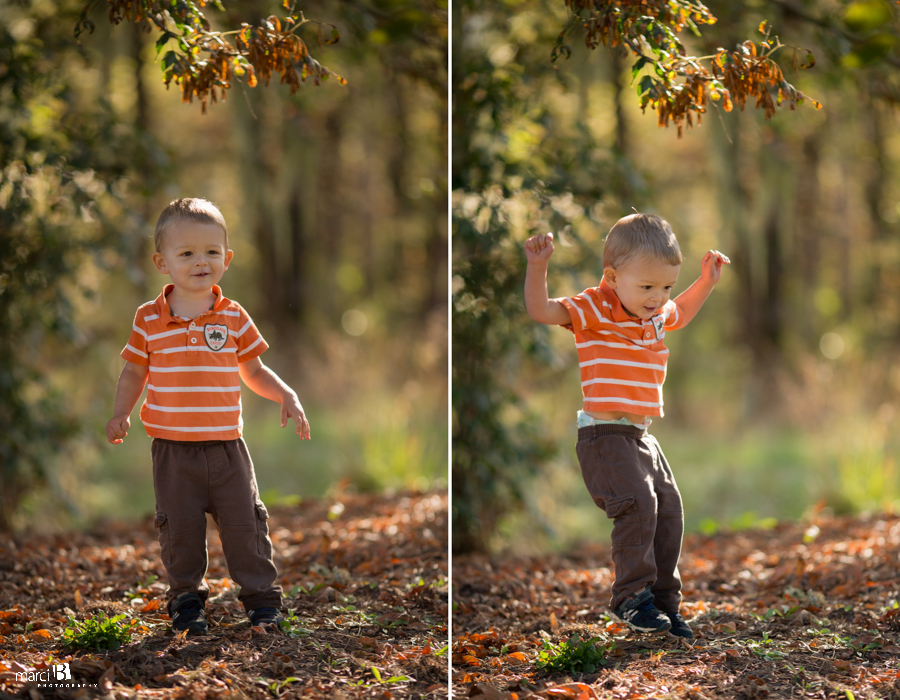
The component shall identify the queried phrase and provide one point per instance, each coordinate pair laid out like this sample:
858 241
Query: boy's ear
229 254
160 263
609 274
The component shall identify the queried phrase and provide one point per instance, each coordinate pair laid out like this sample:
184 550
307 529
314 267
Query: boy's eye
214 252
187 252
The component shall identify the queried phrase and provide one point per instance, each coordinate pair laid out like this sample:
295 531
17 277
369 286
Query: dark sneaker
639 613
679 628
267 617
187 614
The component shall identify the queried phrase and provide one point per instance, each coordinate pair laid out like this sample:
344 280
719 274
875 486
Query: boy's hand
539 248
117 428
291 408
711 266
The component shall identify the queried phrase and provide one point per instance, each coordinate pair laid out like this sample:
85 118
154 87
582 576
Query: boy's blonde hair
640 236
200 211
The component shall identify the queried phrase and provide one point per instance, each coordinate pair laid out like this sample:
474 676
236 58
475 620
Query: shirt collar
165 313
618 312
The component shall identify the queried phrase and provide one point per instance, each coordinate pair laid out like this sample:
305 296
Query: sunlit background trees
336 199
782 396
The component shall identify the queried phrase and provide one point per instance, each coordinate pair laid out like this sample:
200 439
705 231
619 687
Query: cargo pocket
162 524
263 543
626 521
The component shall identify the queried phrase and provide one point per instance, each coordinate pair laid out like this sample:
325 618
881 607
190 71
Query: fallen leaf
151 606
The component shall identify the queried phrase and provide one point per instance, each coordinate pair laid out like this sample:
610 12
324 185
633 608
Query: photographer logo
55 676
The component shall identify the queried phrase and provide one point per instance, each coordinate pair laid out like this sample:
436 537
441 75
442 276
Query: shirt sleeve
136 350
675 317
250 342
584 310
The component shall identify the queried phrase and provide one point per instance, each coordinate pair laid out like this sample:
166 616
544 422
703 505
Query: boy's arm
540 306
266 383
128 391
692 298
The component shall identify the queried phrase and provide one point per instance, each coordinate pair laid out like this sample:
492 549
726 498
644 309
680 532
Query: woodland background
336 200
783 395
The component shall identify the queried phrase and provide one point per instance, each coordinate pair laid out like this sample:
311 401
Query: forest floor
805 610
365 577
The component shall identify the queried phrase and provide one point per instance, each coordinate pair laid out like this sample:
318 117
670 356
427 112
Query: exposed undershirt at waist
584 420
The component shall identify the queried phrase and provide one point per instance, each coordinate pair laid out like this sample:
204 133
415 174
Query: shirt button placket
192 350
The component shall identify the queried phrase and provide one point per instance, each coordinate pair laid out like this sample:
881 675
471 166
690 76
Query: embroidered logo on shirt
216 334
658 323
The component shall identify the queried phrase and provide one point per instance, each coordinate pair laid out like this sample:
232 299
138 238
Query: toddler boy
192 344
619 330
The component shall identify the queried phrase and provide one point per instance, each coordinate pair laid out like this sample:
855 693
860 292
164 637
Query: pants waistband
595 431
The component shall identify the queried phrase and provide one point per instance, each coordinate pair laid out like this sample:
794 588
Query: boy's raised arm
692 298
540 306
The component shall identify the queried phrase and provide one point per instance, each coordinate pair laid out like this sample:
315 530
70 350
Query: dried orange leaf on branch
676 84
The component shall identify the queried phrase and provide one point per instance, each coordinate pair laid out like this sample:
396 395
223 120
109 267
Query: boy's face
193 255
643 285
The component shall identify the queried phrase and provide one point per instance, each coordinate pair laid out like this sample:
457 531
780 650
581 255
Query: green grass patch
99 632
574 655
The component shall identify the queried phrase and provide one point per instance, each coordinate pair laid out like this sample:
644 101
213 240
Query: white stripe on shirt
578 309
135 350
616 399
153 368
244 329
193 409
677 315
623 346
199 429
192 389
622 382
622 363
166 334
596 311
250 347
191 348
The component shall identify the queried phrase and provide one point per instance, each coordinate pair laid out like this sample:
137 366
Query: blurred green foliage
63 220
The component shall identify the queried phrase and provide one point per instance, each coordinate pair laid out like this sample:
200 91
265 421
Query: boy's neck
190 304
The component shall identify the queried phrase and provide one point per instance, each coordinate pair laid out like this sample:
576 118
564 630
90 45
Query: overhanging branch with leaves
206 63
676 85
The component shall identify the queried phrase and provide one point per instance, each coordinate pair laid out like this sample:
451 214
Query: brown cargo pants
192 479
627 475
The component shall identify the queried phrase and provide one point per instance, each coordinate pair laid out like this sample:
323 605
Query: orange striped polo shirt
193 389
622 358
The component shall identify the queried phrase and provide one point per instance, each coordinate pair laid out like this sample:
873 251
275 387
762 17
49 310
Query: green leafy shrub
98 632
573 656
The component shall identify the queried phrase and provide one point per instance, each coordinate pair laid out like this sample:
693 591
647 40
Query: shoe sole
645 630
